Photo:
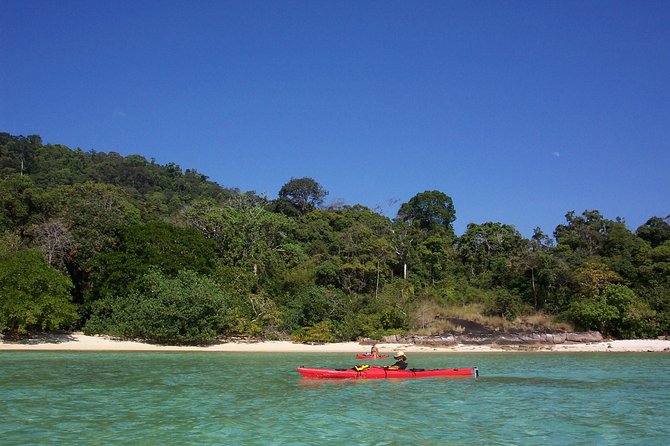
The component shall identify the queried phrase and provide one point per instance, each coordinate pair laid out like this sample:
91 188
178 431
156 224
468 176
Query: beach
81 342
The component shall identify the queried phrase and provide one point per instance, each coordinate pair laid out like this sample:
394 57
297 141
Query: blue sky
519 110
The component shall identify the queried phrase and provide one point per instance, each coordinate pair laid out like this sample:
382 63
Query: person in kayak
374 351
400 363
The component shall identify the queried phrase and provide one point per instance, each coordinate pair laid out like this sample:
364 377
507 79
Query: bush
186 309
506 304
616 310
321 332
309 306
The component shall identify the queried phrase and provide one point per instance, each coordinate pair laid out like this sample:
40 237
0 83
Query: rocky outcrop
518 338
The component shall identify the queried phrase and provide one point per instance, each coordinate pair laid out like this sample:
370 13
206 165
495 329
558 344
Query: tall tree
535 265
247 235
582 236
490 248
300 196
656 231
90 215
430 210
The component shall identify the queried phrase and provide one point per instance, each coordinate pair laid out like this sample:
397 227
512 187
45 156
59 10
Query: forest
122 246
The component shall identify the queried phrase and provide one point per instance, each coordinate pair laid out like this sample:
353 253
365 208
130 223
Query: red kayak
377 372
369 356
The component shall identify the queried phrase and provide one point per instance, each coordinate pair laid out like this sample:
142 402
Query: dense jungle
123 246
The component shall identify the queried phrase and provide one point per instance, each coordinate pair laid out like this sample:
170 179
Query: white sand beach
81 342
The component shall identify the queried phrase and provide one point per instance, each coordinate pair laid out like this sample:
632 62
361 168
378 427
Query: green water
80 398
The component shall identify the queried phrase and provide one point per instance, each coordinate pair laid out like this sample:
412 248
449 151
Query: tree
54 240
33 296
506 304
430 210
594 277
614 310
490 248
583 236
436 255
624 252
246 235
89 216
17 152
656 231
300 196
143 246
535 261
18 202
537 270
540 241
403 242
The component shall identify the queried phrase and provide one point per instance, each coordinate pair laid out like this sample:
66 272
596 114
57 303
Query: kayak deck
377 372
369 356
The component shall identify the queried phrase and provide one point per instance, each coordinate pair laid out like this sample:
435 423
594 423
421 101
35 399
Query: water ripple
63 398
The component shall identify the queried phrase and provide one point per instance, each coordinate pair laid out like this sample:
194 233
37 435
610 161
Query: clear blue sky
519 110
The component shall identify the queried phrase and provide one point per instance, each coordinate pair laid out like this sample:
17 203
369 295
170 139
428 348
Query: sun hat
399 354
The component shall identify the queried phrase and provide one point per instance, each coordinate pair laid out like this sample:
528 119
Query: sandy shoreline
81 342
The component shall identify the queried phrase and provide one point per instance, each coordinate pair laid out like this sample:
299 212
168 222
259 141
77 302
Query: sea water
208 398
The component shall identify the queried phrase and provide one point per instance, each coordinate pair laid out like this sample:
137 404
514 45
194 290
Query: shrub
321 332
186 309
505 303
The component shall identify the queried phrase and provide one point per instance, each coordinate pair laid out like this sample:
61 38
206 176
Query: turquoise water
82 398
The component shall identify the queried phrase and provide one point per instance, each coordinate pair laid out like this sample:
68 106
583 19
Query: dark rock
518 338
587 336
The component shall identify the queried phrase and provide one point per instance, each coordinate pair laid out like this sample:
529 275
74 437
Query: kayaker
374 351
400 363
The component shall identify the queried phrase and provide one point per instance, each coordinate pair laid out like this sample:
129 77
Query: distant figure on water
374 351
400 363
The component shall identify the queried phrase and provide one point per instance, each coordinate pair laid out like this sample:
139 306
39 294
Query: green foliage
655 231
309 306
371 317
429 210
123 226
489 250
624 252
582 236
506 304
15 201
143 246
300 196
246 236
362 325
435 258
318 333
615 310
79 222
186 309
33 296
592 314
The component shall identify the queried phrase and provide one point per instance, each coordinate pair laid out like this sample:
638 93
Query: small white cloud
119 113
557 154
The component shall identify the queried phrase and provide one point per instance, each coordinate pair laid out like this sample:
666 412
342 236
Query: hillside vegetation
126 247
